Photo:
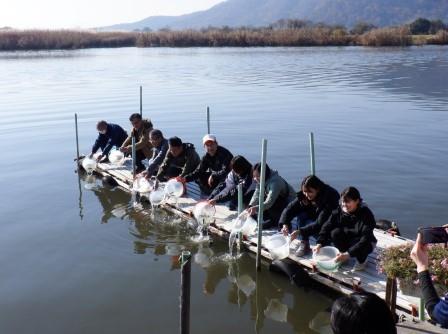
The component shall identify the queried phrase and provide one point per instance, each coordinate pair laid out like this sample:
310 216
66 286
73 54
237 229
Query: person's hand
181 179
294 235
124 149
143 174
211 202
317 248
98 158
91 155
342 257
419 254
252 210
285 230
210 181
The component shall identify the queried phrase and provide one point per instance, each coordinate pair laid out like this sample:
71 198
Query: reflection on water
379 117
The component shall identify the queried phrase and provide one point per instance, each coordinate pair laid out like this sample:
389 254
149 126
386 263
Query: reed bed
287 35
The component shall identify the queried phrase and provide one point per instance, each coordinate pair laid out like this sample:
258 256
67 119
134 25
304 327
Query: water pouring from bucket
245 224
204 213
278 246
174 189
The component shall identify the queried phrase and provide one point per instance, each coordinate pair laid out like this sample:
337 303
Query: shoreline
33 40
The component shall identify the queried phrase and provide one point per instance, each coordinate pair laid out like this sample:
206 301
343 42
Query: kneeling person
159 150
180 160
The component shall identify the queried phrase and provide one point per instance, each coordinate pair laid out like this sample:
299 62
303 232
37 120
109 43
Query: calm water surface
77 257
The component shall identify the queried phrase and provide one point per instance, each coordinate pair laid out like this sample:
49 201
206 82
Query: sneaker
360 266
304 248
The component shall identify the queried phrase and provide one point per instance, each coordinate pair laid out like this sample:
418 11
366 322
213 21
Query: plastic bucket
141 185
88 164
325 258
156 197
116 158
204 213
278 246
174 188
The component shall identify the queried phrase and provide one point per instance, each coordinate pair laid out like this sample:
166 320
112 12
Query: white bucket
325 258
174 188
141 185
244 223
204 213
278 246
116 158
156 197
88 164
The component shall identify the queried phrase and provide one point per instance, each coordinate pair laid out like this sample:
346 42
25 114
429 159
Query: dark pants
233 200
309 230
272 215
343 242
203 183
139 157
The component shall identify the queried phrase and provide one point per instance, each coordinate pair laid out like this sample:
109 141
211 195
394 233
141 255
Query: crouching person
180 160
109 135
350 229
277 194
240 173
312 206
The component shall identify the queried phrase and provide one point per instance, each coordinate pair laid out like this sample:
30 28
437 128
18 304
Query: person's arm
157 160
225 166
194 175
429 292
366 231
273 190
255 196
144 139
191 163
100 140
325 232
288 213
128 140
228 191
164 167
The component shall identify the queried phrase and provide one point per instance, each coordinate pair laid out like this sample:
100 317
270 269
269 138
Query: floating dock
344 280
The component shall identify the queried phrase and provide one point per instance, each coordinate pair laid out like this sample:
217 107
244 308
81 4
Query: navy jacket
115 135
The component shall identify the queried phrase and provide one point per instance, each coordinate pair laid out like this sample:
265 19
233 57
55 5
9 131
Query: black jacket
218 165
187 161
115 135
358 226
326 202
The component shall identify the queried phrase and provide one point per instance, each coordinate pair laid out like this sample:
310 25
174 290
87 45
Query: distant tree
146 29
437 25
420 26
361 28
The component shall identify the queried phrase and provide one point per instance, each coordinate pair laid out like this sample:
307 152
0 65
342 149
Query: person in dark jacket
313 205
436 307
140 130
240 173
110 135
159 150
180 160
213 168
350 229
277 194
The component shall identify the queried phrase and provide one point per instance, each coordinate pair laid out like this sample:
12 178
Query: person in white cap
214 166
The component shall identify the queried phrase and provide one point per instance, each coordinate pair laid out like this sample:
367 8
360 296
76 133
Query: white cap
208 138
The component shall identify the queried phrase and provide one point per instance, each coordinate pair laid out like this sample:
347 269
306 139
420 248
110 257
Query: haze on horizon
84 14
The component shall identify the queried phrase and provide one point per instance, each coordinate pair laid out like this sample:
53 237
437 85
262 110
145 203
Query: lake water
79 258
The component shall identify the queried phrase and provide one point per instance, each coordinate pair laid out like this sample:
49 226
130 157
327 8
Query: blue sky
54 14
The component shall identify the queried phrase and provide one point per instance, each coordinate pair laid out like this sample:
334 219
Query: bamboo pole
77 138
261 202
141 101
208 120
312 157
240 198
185 286
133 157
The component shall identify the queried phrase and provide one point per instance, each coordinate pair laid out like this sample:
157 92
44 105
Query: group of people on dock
316 210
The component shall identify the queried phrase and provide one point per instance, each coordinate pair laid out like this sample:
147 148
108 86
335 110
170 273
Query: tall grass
63 39
288 33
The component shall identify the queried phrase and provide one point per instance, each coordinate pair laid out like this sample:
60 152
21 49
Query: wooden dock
344 280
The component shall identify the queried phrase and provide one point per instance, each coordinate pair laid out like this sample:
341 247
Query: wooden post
391 294
208 119
261 202
312 159
185 285
141 101
133 157
240 198
421 310
77 139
